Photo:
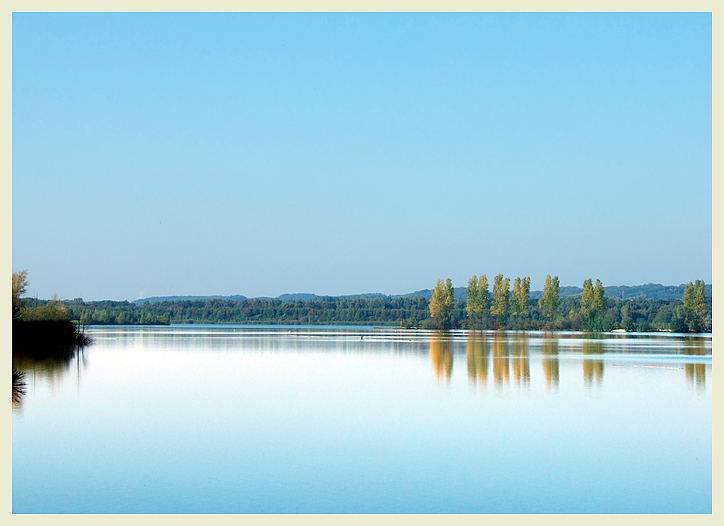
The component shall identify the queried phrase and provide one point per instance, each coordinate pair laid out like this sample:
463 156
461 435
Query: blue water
234 419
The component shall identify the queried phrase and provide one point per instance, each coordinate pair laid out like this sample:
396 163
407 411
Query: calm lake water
240 419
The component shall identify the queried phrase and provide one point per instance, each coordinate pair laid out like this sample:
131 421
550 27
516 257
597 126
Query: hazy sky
258 154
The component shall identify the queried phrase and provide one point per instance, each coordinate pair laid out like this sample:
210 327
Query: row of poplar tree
492 310
501 304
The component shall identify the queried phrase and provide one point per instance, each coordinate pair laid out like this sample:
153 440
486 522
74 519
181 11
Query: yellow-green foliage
20 285
441 303
501 297
586 296
550 300
54 310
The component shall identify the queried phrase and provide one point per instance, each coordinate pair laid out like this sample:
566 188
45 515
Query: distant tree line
321 310
500 308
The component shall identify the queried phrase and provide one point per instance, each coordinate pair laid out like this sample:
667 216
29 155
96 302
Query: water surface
239 419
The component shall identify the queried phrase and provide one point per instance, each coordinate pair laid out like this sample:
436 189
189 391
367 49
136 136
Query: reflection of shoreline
560 354
51 365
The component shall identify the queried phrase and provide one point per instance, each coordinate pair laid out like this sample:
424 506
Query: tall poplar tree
473 302
441 303
449 295
550 300
515 299
437 303
501 297
599 298
484 295
484 299
692 320
688 298
521 296
526 295
586 297
699 304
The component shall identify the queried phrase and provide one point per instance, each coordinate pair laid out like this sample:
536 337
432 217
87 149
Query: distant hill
643 292
562 292
305 296
461 293
651 291
458 294
299 296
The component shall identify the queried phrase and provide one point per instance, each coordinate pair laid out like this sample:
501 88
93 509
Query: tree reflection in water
501 372
51 364
19 388
695 372
592 368
521 360
549 350
441 356
477 353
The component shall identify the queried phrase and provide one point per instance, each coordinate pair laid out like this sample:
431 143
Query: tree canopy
20 286
442 303
550 300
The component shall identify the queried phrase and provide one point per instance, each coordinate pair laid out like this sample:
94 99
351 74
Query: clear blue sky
259 154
